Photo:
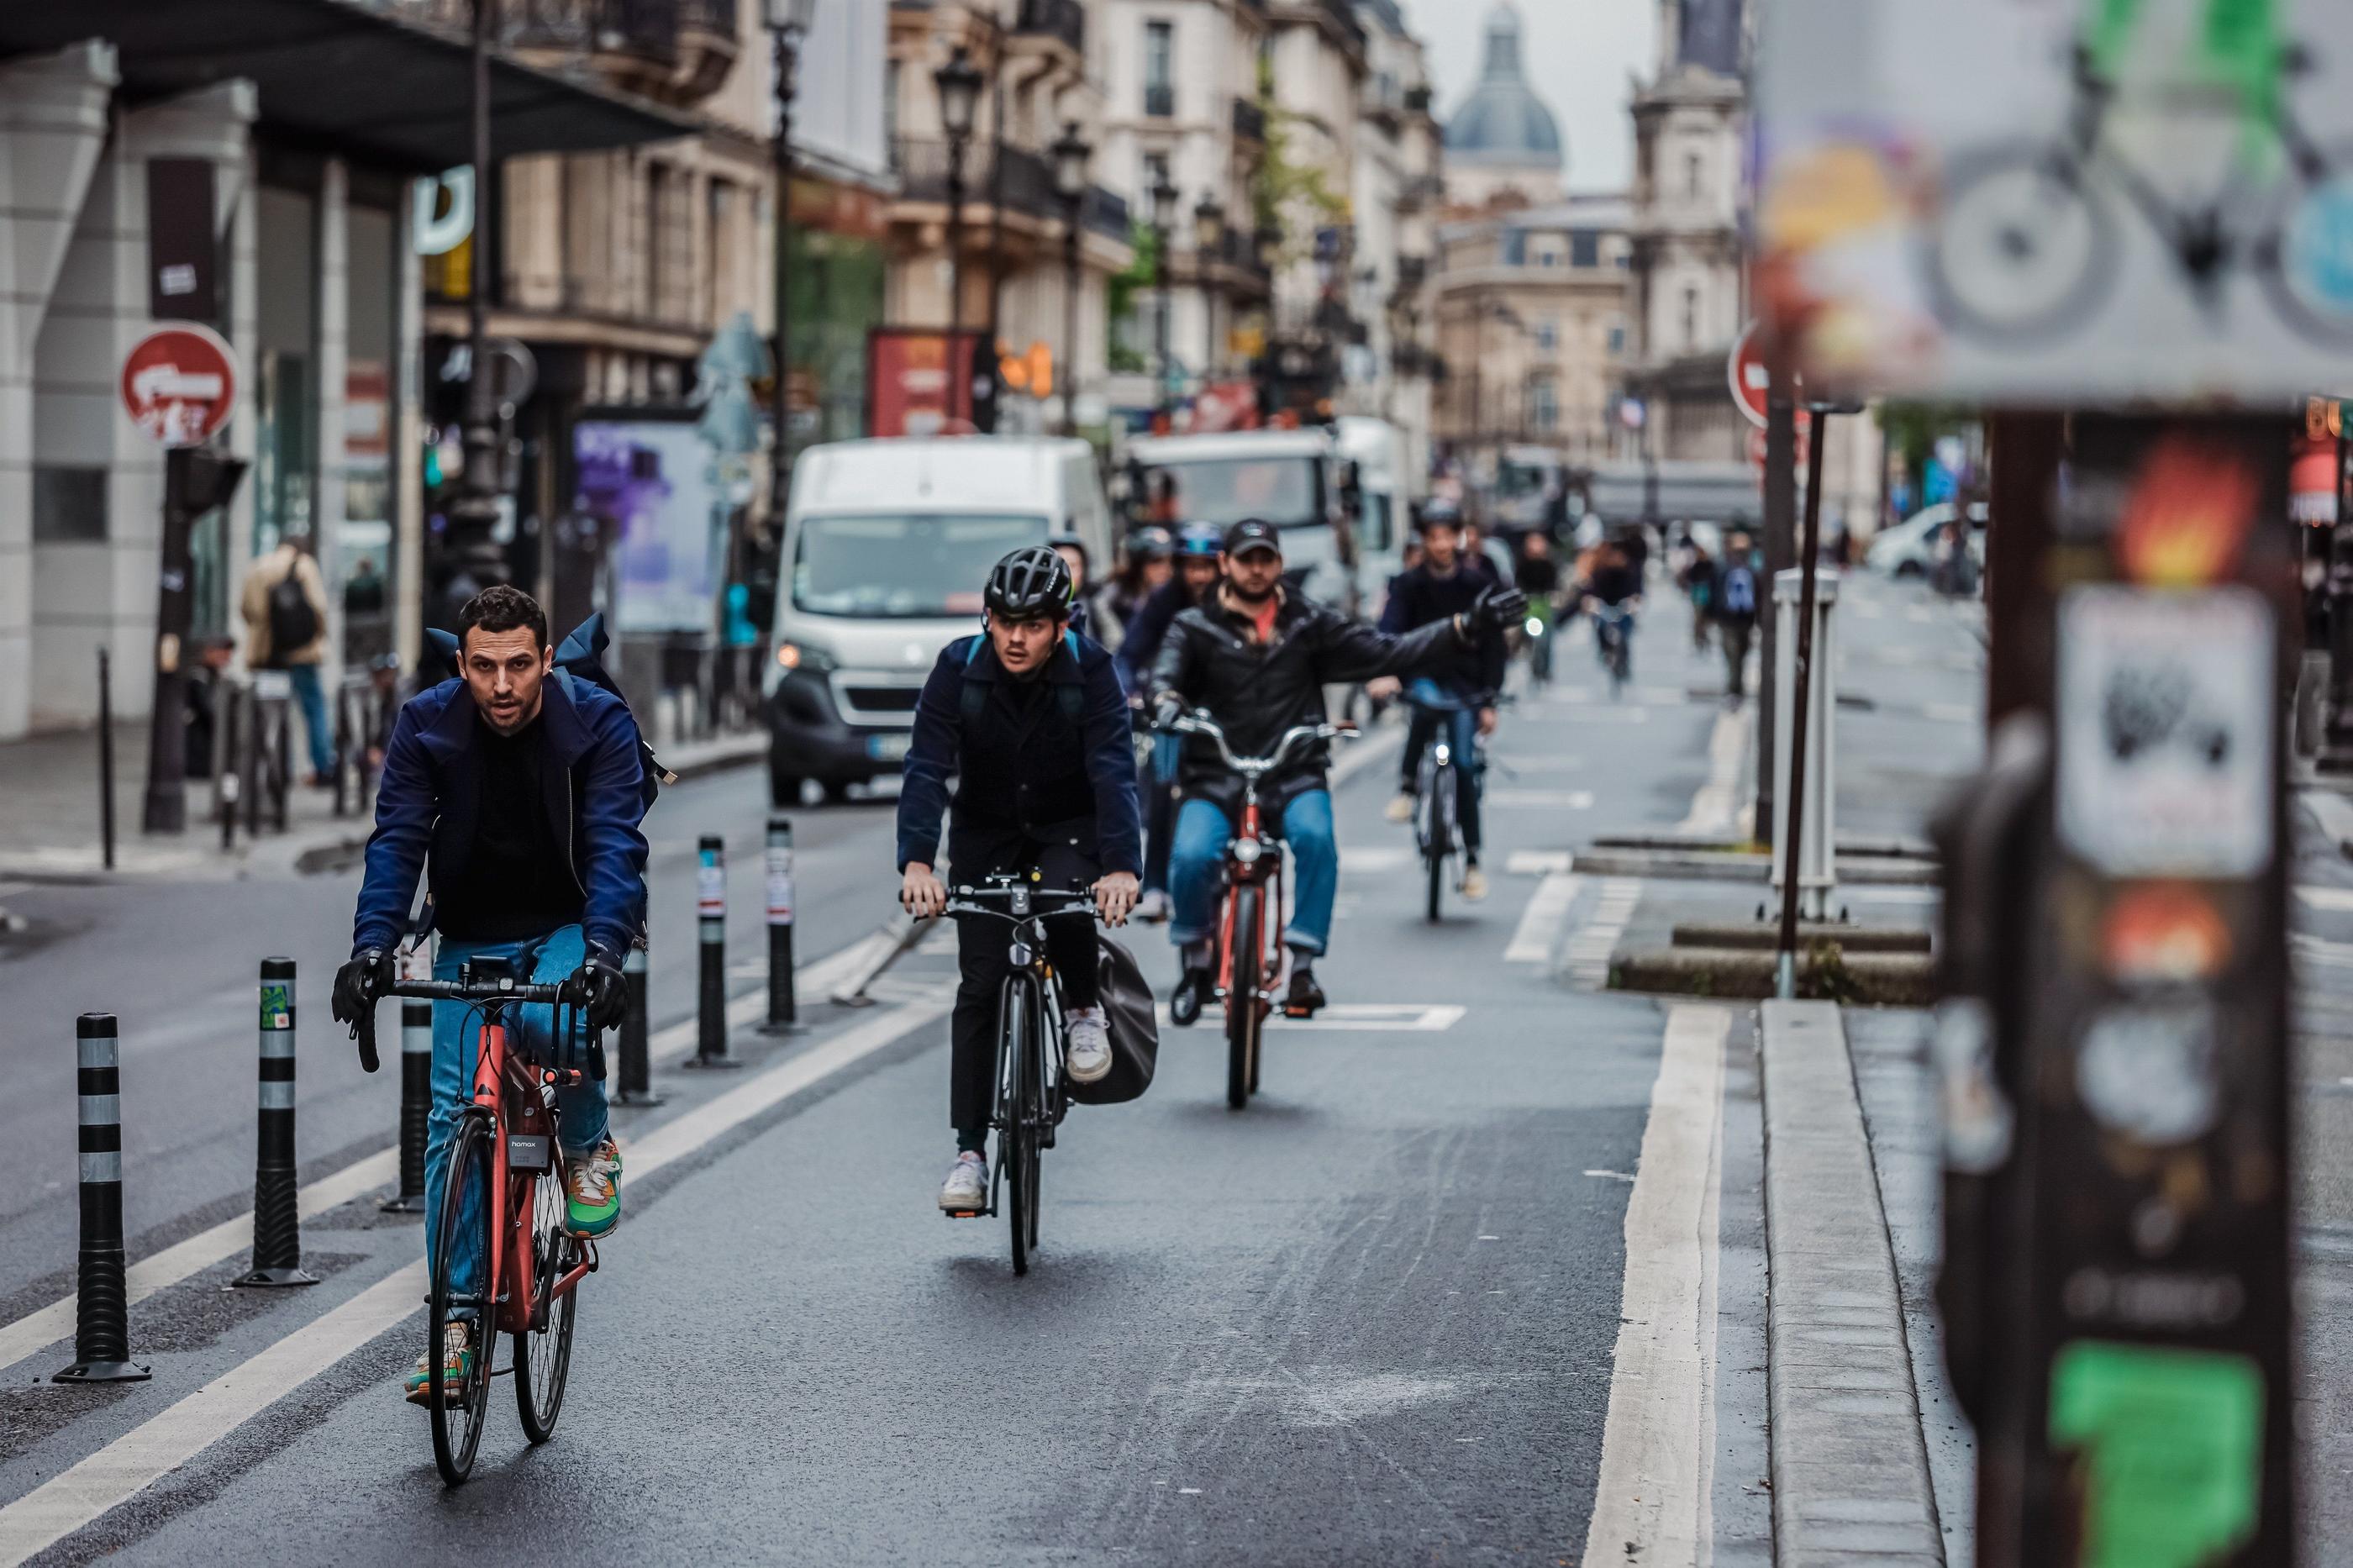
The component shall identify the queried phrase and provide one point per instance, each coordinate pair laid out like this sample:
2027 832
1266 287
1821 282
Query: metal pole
1070 280
1801 692
101 1299
165 808
1166 402
476 507
780 457
106 759
1780 528
996 220
956 378
637 1074
277 1222
711 929
784 1014
416 1096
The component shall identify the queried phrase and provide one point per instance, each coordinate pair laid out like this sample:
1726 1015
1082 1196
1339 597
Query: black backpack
293 624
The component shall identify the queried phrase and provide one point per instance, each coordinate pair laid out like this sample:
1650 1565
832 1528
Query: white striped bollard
101 1299
277 1222
711 930
416 1087
784 1012
636 1071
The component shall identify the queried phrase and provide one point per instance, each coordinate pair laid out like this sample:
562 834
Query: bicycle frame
1252 855
509 1200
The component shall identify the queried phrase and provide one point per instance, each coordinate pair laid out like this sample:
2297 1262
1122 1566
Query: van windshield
887 567
1286 491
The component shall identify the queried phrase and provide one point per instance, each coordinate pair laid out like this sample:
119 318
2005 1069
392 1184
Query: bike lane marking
120 1471
1547 911
1653 1500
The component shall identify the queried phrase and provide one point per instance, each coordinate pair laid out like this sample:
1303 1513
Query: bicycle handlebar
1064 901
503 991
1298 737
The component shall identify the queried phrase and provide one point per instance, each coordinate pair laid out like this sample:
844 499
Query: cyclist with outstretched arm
517 791
1031 722
1256 657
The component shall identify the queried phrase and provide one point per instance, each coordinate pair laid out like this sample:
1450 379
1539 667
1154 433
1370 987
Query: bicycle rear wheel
543 1355
1241 999
1440 838
1016 1151
457 1424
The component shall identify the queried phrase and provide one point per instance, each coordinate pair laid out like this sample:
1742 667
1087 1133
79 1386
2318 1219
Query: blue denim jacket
431 783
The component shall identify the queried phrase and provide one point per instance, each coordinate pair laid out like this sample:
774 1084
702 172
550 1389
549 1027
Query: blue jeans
1157 787
1202 834
1437 710
457 1026
312 697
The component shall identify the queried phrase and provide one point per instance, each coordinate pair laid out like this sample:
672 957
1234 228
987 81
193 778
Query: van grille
884 699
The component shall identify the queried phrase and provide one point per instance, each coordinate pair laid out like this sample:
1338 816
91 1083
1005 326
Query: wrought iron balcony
1065 20
668 48
1160 101
922 163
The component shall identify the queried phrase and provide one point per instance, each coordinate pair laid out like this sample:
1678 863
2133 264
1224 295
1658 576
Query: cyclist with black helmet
1030 720
1200 564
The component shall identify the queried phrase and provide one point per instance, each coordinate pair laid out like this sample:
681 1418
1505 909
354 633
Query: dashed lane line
136 1461
1540 923
1590 950
1717 803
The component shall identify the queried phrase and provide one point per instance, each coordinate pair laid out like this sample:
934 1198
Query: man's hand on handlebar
365 976
1115 896
1488 719
1382 687
598 990
922 894
1166 708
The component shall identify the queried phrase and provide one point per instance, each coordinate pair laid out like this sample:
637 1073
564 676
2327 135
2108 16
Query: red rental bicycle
1250 940
527 1265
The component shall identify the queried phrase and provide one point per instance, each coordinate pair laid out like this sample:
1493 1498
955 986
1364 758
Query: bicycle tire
543 1356
1241 998
457 1428
1036 1112
2072 308
1441 838
1013 1140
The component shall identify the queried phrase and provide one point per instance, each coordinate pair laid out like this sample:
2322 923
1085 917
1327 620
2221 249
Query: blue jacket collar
451 734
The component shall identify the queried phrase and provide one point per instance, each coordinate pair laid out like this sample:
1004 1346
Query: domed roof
1503 120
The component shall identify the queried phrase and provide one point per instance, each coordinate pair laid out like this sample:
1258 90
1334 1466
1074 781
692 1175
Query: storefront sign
179 384
911 389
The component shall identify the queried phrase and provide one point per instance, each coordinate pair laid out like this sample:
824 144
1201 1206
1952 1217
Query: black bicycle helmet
1032 582
1151 543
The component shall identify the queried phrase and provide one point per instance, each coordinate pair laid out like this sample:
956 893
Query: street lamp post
959 82
476 509
1072 154
1208 240
1163 219
789 23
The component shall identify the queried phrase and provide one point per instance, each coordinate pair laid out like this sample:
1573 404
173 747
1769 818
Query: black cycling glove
1494 609
598 989
1166 708
365 977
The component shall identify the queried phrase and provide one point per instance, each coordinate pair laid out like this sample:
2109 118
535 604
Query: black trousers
983 947
1737 632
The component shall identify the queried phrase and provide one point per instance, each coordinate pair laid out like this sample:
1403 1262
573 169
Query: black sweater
1422 596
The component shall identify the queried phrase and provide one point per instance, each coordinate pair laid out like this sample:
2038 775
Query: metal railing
1061 19
648 30
1160 101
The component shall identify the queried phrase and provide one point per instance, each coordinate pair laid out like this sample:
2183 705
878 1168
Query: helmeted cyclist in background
1200 564
1457 689
1256 657
517 790
1608 577
1029 720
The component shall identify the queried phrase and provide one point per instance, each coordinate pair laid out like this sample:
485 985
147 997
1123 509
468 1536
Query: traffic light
1031 372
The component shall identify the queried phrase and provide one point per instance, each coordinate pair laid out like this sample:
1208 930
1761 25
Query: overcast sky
1579 55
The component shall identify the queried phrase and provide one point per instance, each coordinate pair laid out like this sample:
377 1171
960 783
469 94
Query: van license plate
888 748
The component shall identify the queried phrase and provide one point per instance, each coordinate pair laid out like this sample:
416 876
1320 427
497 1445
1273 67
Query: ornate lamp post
788 23
1208 241
1163 219
1073 153
959 82
476 508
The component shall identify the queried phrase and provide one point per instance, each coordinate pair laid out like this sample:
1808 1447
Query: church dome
1503 120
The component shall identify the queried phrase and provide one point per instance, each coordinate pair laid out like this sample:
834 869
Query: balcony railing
922 163
1345 14
1065 20
1106 214
1250 121
648 30
1160 101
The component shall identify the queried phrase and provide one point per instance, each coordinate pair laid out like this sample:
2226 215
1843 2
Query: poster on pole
2059 202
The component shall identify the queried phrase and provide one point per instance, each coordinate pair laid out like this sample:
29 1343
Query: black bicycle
1031 1098
2026 243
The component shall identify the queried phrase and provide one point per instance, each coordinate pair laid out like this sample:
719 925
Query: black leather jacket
1211 660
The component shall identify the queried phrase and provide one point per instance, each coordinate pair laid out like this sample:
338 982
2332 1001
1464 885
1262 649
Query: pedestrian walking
1736 598
1698 582
285 609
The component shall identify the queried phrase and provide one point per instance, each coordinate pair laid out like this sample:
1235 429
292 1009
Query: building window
1584 248
1694 177
890 114
1515 248
1544 405
1690 316
1159 69
1617 337
68 504
1547 334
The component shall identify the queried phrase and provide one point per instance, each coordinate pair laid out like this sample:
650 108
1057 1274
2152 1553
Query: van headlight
792 655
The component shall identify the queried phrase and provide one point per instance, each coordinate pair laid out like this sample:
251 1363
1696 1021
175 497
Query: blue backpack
1740 591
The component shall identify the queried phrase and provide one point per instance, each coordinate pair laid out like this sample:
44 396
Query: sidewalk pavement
51 831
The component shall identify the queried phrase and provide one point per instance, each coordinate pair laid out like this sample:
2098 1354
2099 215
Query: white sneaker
967 1189
1400 809
1086 1046
1475 884
1152 907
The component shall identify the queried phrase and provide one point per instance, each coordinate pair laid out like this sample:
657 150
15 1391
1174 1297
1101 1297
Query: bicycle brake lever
363 1031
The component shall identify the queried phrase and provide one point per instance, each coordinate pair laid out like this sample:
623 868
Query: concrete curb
1850 1479
1721 866
1859 979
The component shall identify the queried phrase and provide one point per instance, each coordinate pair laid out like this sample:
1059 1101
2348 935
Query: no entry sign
179 384
1750 381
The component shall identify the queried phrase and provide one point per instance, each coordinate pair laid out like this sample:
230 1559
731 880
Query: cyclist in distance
1458 688
1030 720
1256 658
1608 577
517 790
1200 563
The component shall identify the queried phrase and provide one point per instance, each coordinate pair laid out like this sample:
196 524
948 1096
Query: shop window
68 504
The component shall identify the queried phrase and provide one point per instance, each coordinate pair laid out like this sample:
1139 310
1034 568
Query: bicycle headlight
1247 851
1443 752
1536 627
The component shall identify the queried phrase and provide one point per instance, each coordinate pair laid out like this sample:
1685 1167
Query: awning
367 77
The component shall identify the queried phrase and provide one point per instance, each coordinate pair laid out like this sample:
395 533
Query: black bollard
277 1222
637 1070
416 1096
101 1299
784 1014
710 928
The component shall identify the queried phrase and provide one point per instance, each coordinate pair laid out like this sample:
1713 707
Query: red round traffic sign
179 384
1750 379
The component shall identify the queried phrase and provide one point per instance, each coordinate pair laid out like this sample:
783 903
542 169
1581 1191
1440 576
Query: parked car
1909 549
887 546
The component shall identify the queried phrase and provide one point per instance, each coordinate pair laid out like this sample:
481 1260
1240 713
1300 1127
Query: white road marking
2321 951
1376 860
1890 894
1652 1500
1348 1018
1539 799
1611 1175
1540 923
1951 712
1536 862
134 1461
2336 901
1717 802
1591 949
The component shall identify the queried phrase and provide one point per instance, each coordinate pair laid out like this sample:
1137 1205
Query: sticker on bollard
784 1011
101 1299
711 929
277 1221
636 1072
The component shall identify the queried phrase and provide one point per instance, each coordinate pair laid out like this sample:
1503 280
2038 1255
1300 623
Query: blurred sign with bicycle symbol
2061 203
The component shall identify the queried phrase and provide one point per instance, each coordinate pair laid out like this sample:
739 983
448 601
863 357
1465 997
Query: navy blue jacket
1064 767
592 781
1145 632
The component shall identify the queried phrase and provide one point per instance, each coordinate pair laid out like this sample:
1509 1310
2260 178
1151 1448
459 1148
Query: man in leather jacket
1257 657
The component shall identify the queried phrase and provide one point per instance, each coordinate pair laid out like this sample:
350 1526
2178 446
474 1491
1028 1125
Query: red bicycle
526 1265
1250 942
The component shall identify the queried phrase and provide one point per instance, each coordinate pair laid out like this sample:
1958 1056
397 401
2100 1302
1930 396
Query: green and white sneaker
457 1366
591 1190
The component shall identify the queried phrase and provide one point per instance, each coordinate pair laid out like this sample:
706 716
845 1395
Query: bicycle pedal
964 1213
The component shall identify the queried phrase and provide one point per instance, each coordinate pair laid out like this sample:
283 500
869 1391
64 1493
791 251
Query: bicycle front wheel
1016 1142
461 1250
1241 998
1441 842
542 1354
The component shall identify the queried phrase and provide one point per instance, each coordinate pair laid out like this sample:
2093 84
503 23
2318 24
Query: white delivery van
887 547
1289 477
1384 477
